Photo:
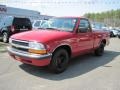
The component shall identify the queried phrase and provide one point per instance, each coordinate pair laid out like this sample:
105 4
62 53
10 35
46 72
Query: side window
84 26
1 22
8 21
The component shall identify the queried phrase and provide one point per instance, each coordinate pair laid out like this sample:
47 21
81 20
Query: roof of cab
72 17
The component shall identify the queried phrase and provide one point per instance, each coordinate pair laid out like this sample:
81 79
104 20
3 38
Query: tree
111 18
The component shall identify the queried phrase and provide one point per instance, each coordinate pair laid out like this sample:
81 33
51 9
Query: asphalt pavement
87 72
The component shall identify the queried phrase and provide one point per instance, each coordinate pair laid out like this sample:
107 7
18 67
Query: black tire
100 50
59 61
5 37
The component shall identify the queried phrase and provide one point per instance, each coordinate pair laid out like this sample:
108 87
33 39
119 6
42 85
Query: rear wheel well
66 47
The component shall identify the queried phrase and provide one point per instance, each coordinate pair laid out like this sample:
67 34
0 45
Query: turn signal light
37 51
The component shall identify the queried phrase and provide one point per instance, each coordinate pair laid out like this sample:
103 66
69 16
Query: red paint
78 42
34 62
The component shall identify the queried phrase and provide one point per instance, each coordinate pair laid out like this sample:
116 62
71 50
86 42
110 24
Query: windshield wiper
53 29
41 28
50 28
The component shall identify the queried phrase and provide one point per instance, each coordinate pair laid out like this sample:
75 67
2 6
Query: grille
20 43
21 49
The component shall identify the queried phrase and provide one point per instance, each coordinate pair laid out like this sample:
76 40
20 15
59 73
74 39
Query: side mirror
82 29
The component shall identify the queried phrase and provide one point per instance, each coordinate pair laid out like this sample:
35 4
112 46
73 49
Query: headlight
36 45
37 48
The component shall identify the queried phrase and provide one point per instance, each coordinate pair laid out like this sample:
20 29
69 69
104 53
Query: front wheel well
66 47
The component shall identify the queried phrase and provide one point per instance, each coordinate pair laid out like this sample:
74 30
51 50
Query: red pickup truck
58 40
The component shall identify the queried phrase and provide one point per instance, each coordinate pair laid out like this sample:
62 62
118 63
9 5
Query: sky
64 7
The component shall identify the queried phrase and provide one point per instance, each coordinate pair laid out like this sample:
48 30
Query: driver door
84 36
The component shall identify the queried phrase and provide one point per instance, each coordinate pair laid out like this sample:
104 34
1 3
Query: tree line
110 18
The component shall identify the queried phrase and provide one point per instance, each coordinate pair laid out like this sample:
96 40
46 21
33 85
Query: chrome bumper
27 55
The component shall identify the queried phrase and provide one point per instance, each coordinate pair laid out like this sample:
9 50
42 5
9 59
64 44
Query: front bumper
29 58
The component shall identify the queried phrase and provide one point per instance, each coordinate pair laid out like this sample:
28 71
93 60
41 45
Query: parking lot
86 72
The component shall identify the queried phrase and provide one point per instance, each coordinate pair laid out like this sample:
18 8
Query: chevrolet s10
56 41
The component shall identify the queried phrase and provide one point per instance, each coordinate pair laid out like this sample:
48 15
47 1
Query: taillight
12 28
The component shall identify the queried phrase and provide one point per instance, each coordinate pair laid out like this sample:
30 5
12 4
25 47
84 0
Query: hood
41 35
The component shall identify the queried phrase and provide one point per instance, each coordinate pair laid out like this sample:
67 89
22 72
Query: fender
63 44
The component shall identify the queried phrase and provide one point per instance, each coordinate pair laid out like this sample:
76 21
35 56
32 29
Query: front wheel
5 37
100 50
59 61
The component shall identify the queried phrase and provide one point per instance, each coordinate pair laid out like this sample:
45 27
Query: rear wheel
5 37
100 50
59 61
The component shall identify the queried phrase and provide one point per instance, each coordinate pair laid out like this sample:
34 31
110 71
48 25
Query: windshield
63 24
